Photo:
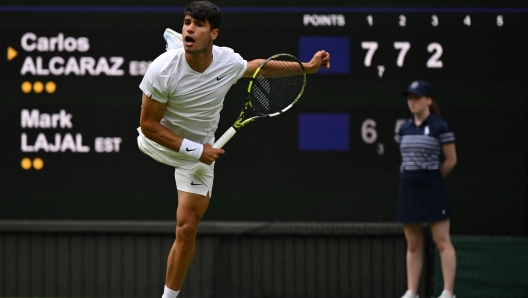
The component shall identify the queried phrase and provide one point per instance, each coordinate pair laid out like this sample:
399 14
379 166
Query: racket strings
278 84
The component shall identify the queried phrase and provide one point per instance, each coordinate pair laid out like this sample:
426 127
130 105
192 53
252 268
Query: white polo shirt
194 100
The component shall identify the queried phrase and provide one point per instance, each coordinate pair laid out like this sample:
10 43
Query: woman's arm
450 159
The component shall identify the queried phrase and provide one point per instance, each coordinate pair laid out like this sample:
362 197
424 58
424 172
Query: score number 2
404 46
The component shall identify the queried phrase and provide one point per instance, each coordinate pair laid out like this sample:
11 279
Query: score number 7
404 46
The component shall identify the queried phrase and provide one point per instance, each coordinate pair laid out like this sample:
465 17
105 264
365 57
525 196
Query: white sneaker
409 294
446 294
173 39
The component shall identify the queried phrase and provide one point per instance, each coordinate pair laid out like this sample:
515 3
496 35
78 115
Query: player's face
418 104
197 35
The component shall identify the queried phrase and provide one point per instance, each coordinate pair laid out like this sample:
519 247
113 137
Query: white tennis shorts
191 176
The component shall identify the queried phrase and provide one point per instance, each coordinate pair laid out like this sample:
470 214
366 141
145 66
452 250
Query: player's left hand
320 59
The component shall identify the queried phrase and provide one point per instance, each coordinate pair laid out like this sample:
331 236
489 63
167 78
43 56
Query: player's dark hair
205 10
433 108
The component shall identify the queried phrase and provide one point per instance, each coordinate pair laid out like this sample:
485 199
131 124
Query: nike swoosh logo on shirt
219 78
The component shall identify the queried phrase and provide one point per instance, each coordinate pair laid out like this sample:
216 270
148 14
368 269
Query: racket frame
240 122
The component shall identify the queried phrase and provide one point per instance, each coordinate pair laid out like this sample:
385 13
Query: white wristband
191 149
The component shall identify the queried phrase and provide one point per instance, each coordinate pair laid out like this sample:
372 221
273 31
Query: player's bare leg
191 208
414 237
440 231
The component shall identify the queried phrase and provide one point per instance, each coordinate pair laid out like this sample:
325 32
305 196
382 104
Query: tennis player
422 197
183 93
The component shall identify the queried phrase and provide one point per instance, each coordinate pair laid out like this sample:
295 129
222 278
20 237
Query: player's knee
186 231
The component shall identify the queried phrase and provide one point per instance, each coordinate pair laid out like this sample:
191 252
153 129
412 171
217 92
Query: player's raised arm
277 69
320 59
252 67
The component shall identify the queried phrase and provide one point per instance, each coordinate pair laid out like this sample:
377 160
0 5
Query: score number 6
370 135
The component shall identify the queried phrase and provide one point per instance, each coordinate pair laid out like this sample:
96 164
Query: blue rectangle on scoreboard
324 132
337 46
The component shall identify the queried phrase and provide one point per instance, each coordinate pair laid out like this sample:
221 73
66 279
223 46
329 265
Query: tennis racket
274 88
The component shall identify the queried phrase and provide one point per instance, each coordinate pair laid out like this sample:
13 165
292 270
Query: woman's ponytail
433 108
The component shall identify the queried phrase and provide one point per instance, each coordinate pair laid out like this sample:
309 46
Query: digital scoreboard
71 103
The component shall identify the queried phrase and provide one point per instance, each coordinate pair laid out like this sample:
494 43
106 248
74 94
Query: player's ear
214 33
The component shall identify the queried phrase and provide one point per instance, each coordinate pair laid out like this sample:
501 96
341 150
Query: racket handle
224 138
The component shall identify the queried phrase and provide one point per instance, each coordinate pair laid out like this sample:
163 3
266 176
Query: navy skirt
422 197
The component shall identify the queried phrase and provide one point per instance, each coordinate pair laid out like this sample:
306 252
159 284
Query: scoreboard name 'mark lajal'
34 119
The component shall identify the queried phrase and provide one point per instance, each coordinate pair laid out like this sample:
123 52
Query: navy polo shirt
420 145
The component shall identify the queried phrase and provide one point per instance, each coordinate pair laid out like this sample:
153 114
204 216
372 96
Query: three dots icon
38 87
37 163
